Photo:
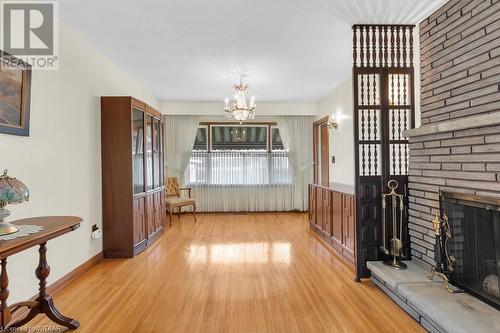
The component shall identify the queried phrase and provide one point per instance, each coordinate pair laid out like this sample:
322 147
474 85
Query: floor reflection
237 253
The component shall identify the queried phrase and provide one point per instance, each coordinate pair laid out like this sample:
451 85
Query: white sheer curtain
239 168
179 133
243 198
234 181
296 134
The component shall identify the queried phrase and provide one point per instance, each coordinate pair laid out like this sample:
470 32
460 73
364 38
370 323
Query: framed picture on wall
15 92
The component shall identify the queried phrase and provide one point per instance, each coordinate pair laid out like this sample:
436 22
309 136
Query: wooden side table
53 226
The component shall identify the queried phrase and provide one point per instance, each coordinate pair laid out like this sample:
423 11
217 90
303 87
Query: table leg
4 294
45 303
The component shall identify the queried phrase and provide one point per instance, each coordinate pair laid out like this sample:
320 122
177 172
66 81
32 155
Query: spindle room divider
383 81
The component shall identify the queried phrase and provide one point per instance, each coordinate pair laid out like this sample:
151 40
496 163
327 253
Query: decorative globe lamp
12 191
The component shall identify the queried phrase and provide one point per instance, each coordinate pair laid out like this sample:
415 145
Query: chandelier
240 109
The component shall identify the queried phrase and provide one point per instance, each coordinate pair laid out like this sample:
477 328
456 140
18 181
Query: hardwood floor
230 273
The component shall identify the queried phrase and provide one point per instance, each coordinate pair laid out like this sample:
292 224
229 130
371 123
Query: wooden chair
174 200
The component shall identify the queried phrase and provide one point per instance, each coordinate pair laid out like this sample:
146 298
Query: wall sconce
332 122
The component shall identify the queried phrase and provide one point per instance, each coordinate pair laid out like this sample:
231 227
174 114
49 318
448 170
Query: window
276 143
201 141
251 138
239 155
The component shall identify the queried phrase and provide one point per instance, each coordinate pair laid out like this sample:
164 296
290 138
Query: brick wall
460 77
460 58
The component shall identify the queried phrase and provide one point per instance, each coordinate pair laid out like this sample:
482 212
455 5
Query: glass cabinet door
149 152
138 150
156 153
162 156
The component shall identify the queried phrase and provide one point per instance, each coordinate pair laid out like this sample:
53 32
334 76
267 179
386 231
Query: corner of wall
341 140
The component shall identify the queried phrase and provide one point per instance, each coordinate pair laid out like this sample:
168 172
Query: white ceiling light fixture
240 109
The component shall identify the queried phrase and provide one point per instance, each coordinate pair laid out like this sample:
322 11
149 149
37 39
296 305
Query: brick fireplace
455 158
457 148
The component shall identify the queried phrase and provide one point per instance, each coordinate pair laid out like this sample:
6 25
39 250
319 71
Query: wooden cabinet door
137 151
155 211
319 207
337 217
313 209
327 212
158 210
325 152
150 214
163 212
348 221
139 220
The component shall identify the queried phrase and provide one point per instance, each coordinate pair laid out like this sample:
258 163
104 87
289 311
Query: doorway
321 152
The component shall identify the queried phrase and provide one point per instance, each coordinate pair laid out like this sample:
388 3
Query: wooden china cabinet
133 192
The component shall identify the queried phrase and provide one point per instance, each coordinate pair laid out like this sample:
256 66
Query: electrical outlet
333 159
96 232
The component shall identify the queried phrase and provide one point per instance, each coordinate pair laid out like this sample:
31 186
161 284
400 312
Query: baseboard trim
55 287
75 273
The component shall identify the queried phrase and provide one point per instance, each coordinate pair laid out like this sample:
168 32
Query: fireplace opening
475 244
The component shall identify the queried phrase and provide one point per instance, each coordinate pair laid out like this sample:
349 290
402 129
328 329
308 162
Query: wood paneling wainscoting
332 215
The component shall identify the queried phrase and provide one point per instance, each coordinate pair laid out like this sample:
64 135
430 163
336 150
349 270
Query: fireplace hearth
475 244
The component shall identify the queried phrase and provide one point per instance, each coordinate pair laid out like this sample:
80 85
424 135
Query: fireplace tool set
395 251
444 262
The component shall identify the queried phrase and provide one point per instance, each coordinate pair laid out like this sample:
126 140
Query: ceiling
194 50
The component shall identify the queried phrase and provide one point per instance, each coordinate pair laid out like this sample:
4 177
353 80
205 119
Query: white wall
60 161
217 108
341 144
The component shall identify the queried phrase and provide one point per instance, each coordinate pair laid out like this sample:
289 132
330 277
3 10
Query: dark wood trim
143 194
321 121
269 138
295 211
470 197
144 154
383 25
210 123
58 285
156 114
316 132
325 154
137 104
209 138
345 260
315 153
75 273
356 170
